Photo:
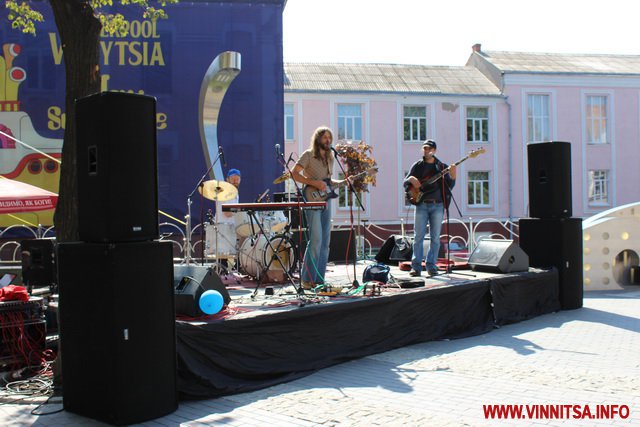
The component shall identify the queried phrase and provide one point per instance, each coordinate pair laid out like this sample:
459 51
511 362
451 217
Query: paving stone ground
588 356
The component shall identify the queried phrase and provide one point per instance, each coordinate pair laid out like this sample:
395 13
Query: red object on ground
14 293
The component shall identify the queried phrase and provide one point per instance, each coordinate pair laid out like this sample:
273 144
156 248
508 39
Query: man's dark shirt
423 171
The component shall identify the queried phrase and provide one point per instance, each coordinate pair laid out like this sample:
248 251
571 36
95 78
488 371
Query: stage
264 340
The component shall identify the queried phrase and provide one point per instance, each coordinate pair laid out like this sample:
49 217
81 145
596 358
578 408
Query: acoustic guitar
312 194
416 196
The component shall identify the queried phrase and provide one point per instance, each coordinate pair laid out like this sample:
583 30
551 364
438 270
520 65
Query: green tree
79 23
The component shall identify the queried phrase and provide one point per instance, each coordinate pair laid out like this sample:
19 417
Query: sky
428 32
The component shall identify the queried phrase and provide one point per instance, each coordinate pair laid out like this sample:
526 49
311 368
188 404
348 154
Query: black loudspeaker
396 248
402 249
550 179
498 256
340 239
117 313
557 243
117 167
38 263
189 282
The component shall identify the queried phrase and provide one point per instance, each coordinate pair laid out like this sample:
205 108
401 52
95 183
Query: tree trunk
79 34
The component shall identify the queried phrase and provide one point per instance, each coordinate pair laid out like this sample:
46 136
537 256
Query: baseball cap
233 172
430 143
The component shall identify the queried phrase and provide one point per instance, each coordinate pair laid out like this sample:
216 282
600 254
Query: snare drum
245 226
225 238
255 255
274 221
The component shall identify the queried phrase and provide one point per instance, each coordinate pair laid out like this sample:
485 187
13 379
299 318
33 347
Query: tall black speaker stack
117 314
551 237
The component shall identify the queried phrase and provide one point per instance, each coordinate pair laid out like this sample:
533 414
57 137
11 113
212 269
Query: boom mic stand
299 201
189 246
355 283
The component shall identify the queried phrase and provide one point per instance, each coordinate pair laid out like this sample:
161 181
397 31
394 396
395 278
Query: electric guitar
312 194
416 196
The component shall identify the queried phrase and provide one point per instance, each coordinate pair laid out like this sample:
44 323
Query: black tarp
243 354
522 296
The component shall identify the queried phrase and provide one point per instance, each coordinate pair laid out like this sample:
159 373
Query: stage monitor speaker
557 243
340 239
396 248
550 179
498 256
189 282
117 167
402 248
38 263
116 312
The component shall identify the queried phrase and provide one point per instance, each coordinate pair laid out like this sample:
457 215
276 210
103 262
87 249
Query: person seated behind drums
233 178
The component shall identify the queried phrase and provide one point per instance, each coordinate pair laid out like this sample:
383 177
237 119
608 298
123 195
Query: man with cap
429 205
233 178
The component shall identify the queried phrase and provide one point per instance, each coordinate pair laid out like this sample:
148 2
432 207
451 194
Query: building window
596 119
598 187
350 122
538 118
415 124
288 122
478 189
477 124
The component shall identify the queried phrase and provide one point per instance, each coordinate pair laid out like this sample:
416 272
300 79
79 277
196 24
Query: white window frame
595 122
414 121
538 121
598 187
347 121
289 122
477 124
476 186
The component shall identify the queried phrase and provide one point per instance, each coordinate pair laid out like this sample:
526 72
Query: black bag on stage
378 272
396 248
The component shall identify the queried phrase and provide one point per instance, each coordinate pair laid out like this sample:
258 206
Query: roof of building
525 62
386 78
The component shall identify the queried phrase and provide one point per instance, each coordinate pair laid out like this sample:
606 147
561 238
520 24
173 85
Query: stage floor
261 339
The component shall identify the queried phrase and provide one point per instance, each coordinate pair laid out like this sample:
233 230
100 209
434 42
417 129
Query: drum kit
251 239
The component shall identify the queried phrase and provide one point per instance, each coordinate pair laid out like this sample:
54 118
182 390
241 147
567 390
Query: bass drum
256 254
224 240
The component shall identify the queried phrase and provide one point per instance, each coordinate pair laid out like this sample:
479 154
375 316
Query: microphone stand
355 283
285 164
446 190
189 246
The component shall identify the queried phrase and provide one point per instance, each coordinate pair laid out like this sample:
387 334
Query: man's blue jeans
317 253
431 213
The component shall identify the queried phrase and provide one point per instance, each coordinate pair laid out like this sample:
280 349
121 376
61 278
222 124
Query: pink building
499 102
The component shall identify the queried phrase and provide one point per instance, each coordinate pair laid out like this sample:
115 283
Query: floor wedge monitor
498 256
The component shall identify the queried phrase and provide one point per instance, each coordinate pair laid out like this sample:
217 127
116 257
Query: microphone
334 150
434 157
221 154
277 150
260 197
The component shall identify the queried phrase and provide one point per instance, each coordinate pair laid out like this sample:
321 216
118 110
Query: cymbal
220 191
282 178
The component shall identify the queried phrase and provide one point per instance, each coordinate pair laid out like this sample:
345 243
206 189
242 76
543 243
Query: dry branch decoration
358 158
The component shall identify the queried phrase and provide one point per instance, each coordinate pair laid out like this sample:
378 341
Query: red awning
16 197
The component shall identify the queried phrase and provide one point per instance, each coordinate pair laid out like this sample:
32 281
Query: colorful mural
167 59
